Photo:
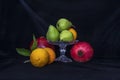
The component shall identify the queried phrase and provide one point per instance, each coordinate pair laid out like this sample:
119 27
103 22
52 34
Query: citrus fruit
39 57
52 55
74 32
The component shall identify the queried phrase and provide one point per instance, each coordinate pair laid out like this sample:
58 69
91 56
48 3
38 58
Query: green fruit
52 34
63 24
66 36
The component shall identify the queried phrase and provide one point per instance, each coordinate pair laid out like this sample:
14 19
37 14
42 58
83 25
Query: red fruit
81 52
42 43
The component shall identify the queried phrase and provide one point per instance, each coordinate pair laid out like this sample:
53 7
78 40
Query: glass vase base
63 58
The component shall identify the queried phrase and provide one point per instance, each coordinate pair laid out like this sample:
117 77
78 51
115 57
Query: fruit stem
80 53
26 61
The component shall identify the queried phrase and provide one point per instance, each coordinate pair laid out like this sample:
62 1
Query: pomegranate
81 52
42 42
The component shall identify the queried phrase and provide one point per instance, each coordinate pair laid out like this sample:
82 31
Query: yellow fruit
74 32
52 55
39 57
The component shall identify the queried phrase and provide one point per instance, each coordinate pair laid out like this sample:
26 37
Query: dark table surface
96 69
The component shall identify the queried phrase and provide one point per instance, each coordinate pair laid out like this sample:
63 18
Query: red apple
42 42
81 52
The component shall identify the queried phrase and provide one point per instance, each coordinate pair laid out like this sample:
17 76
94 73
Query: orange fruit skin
39 57
52 55
74 32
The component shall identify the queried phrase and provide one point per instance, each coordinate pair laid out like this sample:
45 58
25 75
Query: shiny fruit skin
42 43
52 54
39 57
74 32
81 52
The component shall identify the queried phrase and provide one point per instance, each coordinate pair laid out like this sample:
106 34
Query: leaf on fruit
23 52
34 45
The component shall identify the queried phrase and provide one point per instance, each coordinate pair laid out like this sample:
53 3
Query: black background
96 21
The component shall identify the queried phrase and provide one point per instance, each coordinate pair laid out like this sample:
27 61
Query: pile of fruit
64 31
42 53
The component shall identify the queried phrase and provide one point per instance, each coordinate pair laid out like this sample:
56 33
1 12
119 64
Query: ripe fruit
52 55
52 34
63 24
74 32
42 43
81 52
66 36
39 57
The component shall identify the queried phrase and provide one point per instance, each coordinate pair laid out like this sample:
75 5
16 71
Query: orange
39 57
51 53
74 32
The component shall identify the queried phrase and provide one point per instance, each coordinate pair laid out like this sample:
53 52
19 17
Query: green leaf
23 52
34 45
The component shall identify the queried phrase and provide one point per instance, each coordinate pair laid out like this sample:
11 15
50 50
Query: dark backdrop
96 21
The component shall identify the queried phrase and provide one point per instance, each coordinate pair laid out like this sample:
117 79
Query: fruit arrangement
42 53
63 31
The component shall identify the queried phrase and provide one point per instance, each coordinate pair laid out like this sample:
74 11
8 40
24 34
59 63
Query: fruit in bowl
63 31
66 36
74 32
52 34
63 24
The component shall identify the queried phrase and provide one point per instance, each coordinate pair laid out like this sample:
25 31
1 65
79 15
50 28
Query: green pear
52 34
63 24
66 36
